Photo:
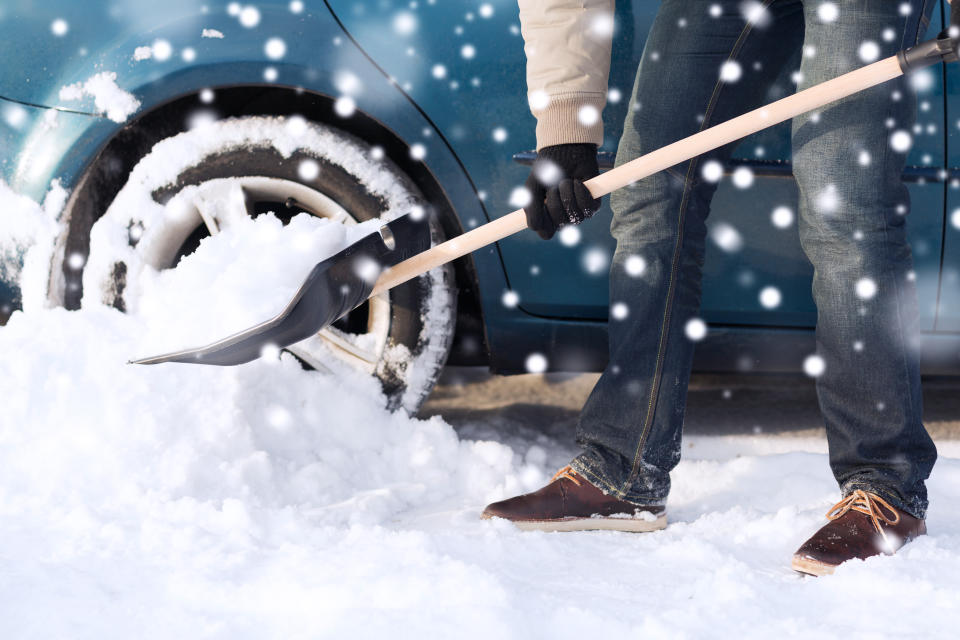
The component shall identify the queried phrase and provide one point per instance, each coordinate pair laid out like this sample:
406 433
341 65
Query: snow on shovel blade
334 287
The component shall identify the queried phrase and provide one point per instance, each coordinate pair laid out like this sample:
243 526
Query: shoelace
568 473
869 504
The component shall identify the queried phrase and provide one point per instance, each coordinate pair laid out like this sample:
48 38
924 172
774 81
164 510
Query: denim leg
853 207
631 425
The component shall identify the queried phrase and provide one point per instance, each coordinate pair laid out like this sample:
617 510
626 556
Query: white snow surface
108 97
266 501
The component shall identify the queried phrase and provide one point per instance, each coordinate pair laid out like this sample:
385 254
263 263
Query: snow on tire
196 183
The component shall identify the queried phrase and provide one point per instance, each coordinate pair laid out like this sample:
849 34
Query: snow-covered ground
266 501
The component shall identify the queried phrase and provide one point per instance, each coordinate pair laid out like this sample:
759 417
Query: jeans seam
677 251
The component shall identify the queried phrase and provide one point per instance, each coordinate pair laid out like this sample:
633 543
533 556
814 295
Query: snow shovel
400 250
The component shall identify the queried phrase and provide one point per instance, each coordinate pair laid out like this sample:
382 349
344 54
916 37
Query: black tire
422 311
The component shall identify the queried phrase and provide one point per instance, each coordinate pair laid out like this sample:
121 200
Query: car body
449 77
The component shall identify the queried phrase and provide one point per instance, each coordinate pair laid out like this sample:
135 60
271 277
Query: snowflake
486 10
602 26
520 197
499 134
866 288
619 311
636 265
588 115
275 48
814 366
346 83
782 217
418 151
439 71
905 9
569 236
727 237
76 261
712 171
922 80
889 34
162 50
296 6
404 23
869 51
548 172
863 159
901 141
59 27
250 17
345 106
189 54
539 100
595 261
730 71
206 96
614 95
827 12
827 201
695 329
270 74
955 219
809 51
770 297
742 177
536 363
755 13
308 170
468 51
510 299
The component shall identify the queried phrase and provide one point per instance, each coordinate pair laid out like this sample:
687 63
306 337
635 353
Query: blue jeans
869 394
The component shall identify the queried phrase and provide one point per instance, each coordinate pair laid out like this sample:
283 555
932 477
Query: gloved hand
558 196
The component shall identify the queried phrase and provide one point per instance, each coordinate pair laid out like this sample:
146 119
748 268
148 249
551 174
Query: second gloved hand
558 196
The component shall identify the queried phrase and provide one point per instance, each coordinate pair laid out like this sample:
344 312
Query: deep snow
266 501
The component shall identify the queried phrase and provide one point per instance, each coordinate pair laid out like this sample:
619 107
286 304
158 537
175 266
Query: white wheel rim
214 205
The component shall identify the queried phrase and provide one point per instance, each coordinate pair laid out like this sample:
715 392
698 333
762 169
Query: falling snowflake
905 9
486 10
15 115
602 26
536 363
499 134
814 366
782 217
716 11
162 50
189 54
468 51
742 177
712 171
538 99
233 9
404 23
76 261
439 71
275 48
955 219
901 141
595 261
614 95
827 12
827 201
206 96
59 27
696 329
296 126
866 288
636 265
809 51
346 83
569 236
922 80
858 345
770 297
510 299
345 106
619 311
296 6
730 71
726 237
755 13
308 170
520 197
588 115
548 172
868 51
889 34
863 159
250 17
270 74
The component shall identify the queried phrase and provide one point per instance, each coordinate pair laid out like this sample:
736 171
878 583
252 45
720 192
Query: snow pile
109 98
267 501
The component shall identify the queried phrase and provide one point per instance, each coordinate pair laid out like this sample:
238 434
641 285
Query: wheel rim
214 204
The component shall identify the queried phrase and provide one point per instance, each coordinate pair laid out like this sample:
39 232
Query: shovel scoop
401 250
334 287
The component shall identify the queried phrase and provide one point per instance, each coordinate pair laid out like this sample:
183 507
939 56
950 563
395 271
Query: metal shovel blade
334 287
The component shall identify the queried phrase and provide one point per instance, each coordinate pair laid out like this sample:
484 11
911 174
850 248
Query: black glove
558 196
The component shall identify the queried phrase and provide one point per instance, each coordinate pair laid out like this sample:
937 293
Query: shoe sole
809 566
634 525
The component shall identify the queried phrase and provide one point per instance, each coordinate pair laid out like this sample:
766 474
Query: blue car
348 109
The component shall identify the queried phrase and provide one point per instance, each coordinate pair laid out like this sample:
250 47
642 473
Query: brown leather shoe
861 525
570 503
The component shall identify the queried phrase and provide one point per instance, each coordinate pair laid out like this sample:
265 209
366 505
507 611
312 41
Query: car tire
344 178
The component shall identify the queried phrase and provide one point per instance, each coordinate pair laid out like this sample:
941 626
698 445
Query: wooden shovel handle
648 164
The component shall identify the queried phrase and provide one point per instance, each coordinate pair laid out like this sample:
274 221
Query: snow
211 33
109 98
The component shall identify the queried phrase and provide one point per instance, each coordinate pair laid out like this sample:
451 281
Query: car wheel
287 166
